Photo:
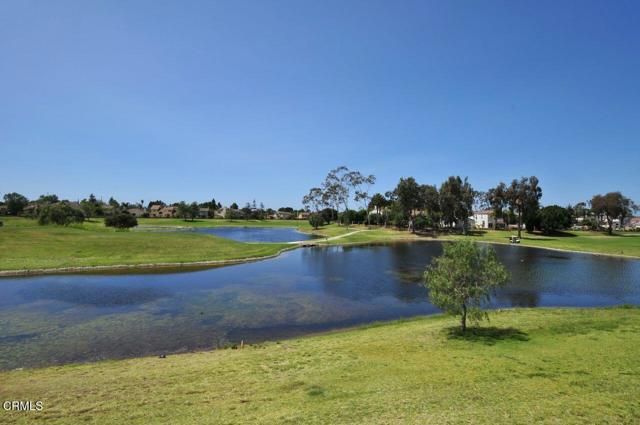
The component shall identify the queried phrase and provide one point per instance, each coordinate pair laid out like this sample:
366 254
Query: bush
61 214
121 220
421 222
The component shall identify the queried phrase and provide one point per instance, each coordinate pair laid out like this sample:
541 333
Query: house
155 210
3 210
483 219
30 210
303 215
283 215
136 212
168 212
220 213
203 212
633 223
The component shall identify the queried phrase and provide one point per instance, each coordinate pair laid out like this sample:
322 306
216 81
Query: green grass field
570 366
26 245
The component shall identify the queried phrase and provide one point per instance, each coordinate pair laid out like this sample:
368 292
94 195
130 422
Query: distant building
136 212
303 215
203 213
155 210
168 212
483 219
220 213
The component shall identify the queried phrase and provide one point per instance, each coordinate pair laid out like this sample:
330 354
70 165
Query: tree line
449 206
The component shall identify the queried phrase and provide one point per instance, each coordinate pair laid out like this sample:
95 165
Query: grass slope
530 366
26 245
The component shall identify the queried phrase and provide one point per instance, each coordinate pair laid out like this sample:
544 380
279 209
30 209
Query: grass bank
26 245
626 243
527 366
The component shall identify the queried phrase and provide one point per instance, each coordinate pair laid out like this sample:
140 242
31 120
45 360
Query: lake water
256 234
71 318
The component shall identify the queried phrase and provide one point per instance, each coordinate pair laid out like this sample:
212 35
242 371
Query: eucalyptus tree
496 199
340 183
456 201
314 199
523 196
362 185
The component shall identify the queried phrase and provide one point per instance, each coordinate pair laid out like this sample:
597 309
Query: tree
183 210
114 203
610 206
316 220
194 210
407 195
234 206
15 203
496 198
362 185
314 199
121 220
554 218
60 213
456 201
431 204
523 196
48 199
462 279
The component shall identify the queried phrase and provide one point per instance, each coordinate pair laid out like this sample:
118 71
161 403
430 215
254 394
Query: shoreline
297 244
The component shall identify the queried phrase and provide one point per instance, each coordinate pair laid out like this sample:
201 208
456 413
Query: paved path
333 238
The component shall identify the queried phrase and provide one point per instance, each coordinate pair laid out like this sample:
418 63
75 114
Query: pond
256 234
73 318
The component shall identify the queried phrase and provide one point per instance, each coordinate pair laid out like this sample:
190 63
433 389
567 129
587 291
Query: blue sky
246 100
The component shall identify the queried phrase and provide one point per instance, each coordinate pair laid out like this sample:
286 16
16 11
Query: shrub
316 220
121 220
60 213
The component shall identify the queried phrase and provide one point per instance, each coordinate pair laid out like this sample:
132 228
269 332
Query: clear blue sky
239 100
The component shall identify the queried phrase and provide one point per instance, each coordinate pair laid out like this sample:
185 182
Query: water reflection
60 319
256 234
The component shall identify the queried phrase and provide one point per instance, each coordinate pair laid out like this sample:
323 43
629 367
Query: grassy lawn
26 245
525 366
619 244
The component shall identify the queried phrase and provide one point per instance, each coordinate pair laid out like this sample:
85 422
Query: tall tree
523 196
362 185
431 204
408 196
497 200
456 201
314 199
461 280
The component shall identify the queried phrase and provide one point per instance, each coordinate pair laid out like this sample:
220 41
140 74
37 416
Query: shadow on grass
488 336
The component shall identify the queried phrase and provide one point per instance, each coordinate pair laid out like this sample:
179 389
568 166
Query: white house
483 219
